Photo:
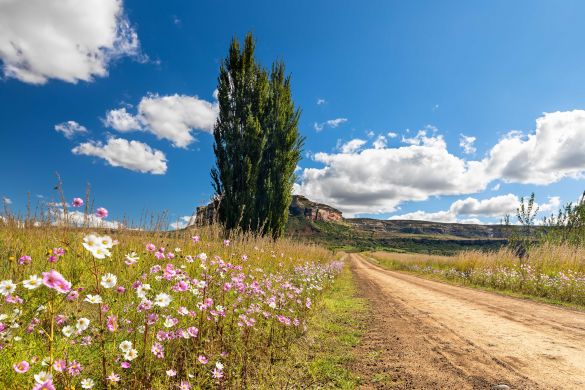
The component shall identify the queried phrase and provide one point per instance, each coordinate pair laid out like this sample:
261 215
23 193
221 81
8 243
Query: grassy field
133 309
322 357
554 273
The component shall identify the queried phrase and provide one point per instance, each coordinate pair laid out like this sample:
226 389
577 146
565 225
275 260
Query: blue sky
486 70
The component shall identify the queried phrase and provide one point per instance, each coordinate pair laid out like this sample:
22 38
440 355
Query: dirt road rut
424 334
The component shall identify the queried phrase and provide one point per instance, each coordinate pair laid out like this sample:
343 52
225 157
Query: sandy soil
424 334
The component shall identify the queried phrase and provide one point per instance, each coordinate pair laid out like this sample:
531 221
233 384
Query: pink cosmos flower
53 259
150 247
217 373
226 242
21 367
74 368
101 212
193 332
58 251
185 385
77 202
202 359
48 385
112 323
72 296
59 365
25 260
196 238
113 377
56 281
125 365
14 299
158 350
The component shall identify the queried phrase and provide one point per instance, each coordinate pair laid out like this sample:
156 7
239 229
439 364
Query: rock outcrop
300 206
313 211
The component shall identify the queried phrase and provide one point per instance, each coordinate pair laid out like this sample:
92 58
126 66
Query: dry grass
555 272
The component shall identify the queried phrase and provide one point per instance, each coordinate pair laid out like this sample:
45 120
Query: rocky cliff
313 211
300 206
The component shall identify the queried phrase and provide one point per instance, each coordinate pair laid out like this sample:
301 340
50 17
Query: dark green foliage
257 143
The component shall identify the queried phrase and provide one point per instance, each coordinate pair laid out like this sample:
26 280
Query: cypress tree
281 154
239 137
257 143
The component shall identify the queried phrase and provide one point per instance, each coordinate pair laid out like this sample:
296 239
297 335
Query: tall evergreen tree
257 143
281 154
239 137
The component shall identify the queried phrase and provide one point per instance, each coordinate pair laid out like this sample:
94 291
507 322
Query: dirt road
424 334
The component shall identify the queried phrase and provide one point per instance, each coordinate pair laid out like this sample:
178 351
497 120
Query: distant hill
323 224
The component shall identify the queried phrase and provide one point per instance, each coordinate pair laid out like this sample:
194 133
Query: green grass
323 357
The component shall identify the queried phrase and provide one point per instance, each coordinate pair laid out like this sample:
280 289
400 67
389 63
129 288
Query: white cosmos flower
42 377
109 280
106 241
7 287
91 241
125 346
142 290
202 256
162 300
169 323
82 324
95 299
67 331
87 383
32 282
131 355
100 253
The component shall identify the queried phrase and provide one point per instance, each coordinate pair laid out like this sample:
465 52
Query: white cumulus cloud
466 143
133 155
122 120
70 128
352 146
461 210
377 180
555 150
182 222
171 117
332 123
63 39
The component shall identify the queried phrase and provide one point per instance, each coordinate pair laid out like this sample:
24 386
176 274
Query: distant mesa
300 206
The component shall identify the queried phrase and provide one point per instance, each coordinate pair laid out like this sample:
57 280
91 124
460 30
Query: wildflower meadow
550 271
128 309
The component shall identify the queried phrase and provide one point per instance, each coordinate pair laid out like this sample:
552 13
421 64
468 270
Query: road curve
430 335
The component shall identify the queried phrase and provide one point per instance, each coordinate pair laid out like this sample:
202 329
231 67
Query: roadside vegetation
91 308
546 262
323 357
